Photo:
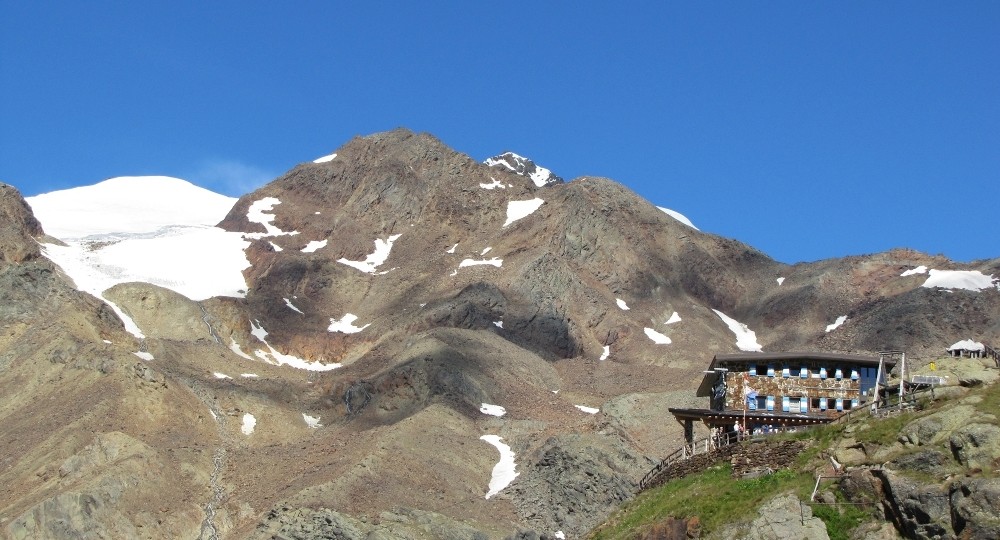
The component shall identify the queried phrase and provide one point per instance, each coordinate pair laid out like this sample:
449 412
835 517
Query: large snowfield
152 229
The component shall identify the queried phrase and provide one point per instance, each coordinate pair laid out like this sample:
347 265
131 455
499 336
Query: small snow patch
235 347
258 213
840 320
313 246
325 159
374 259
675 318
452 250
605 353
492 410
913 271
780 281
485 251
249 375
249 423
504 471
495 261
657 337
586 409
292 306
746 339
274 246
498 324
560 535
107 341
970 280
221 375
346 324
273 356
678 216
311 421
520 209
494 185
144 355
621 303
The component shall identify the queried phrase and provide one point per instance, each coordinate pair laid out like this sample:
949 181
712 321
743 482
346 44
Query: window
848 404
868 376
762 403
752 368
804 372
815 403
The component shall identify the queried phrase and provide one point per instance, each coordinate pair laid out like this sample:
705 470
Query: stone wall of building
737 385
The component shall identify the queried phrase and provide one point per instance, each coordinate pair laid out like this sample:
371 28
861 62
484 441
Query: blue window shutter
840 404
804 405
785 405
770 403
839 374
770 371
804 372
786 372
822 373
822 403
854 374
753 370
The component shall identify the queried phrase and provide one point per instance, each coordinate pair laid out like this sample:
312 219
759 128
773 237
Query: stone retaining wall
746 457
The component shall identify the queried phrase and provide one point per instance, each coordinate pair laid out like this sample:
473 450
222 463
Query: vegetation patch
712 495
840 520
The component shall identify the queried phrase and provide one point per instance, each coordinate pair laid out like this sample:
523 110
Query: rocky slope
439 285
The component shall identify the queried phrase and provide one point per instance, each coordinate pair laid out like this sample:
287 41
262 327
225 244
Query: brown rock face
440 285
18 228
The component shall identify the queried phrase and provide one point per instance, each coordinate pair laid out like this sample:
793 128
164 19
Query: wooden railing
701 446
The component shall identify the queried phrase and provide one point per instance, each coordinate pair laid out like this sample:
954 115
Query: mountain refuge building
760 392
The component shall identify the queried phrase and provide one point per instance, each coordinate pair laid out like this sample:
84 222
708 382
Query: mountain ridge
396 264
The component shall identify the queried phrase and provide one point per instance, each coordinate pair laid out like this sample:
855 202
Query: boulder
976 507
976 446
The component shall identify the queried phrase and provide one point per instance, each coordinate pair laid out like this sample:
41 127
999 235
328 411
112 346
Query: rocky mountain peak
525 167
408 312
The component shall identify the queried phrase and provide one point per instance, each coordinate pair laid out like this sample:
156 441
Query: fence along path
700 446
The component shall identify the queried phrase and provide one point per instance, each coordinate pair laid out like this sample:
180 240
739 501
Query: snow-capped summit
152 229
525 167
128 204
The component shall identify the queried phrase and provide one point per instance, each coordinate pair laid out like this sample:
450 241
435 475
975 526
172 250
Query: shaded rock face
18 228
571 481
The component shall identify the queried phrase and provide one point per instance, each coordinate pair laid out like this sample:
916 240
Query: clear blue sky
806 129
